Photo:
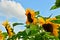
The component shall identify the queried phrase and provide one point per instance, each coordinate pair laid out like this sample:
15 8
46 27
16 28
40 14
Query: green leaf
33 27
56 21
12 38
57 3
23 34
53 7
5 34
28 31
37 12
27 26
58 17
15 24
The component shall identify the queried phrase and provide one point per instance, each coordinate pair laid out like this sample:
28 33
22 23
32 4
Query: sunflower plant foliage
37 27
56 5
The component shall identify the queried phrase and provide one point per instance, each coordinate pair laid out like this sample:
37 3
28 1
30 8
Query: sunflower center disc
29 18
48 27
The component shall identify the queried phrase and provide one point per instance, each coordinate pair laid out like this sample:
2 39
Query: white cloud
12 9
6 0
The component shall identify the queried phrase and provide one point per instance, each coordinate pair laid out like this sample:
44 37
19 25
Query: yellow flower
30 16
5 23
10 31
1 36
8 28
49 26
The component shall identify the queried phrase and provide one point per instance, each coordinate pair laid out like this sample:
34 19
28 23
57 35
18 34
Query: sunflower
49 26
8 28
30 16
1 35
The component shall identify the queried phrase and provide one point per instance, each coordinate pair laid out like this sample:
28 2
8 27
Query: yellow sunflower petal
27 11
9 29
55 26
55 32
58 25
10 33
49 19
41 21
34 21
30 11
5 23
27 22
53 18
1 37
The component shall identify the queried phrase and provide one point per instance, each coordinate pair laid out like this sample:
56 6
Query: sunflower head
48 26
30 16
8 28
51 27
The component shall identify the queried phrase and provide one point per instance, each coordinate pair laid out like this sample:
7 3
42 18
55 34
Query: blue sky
38 5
